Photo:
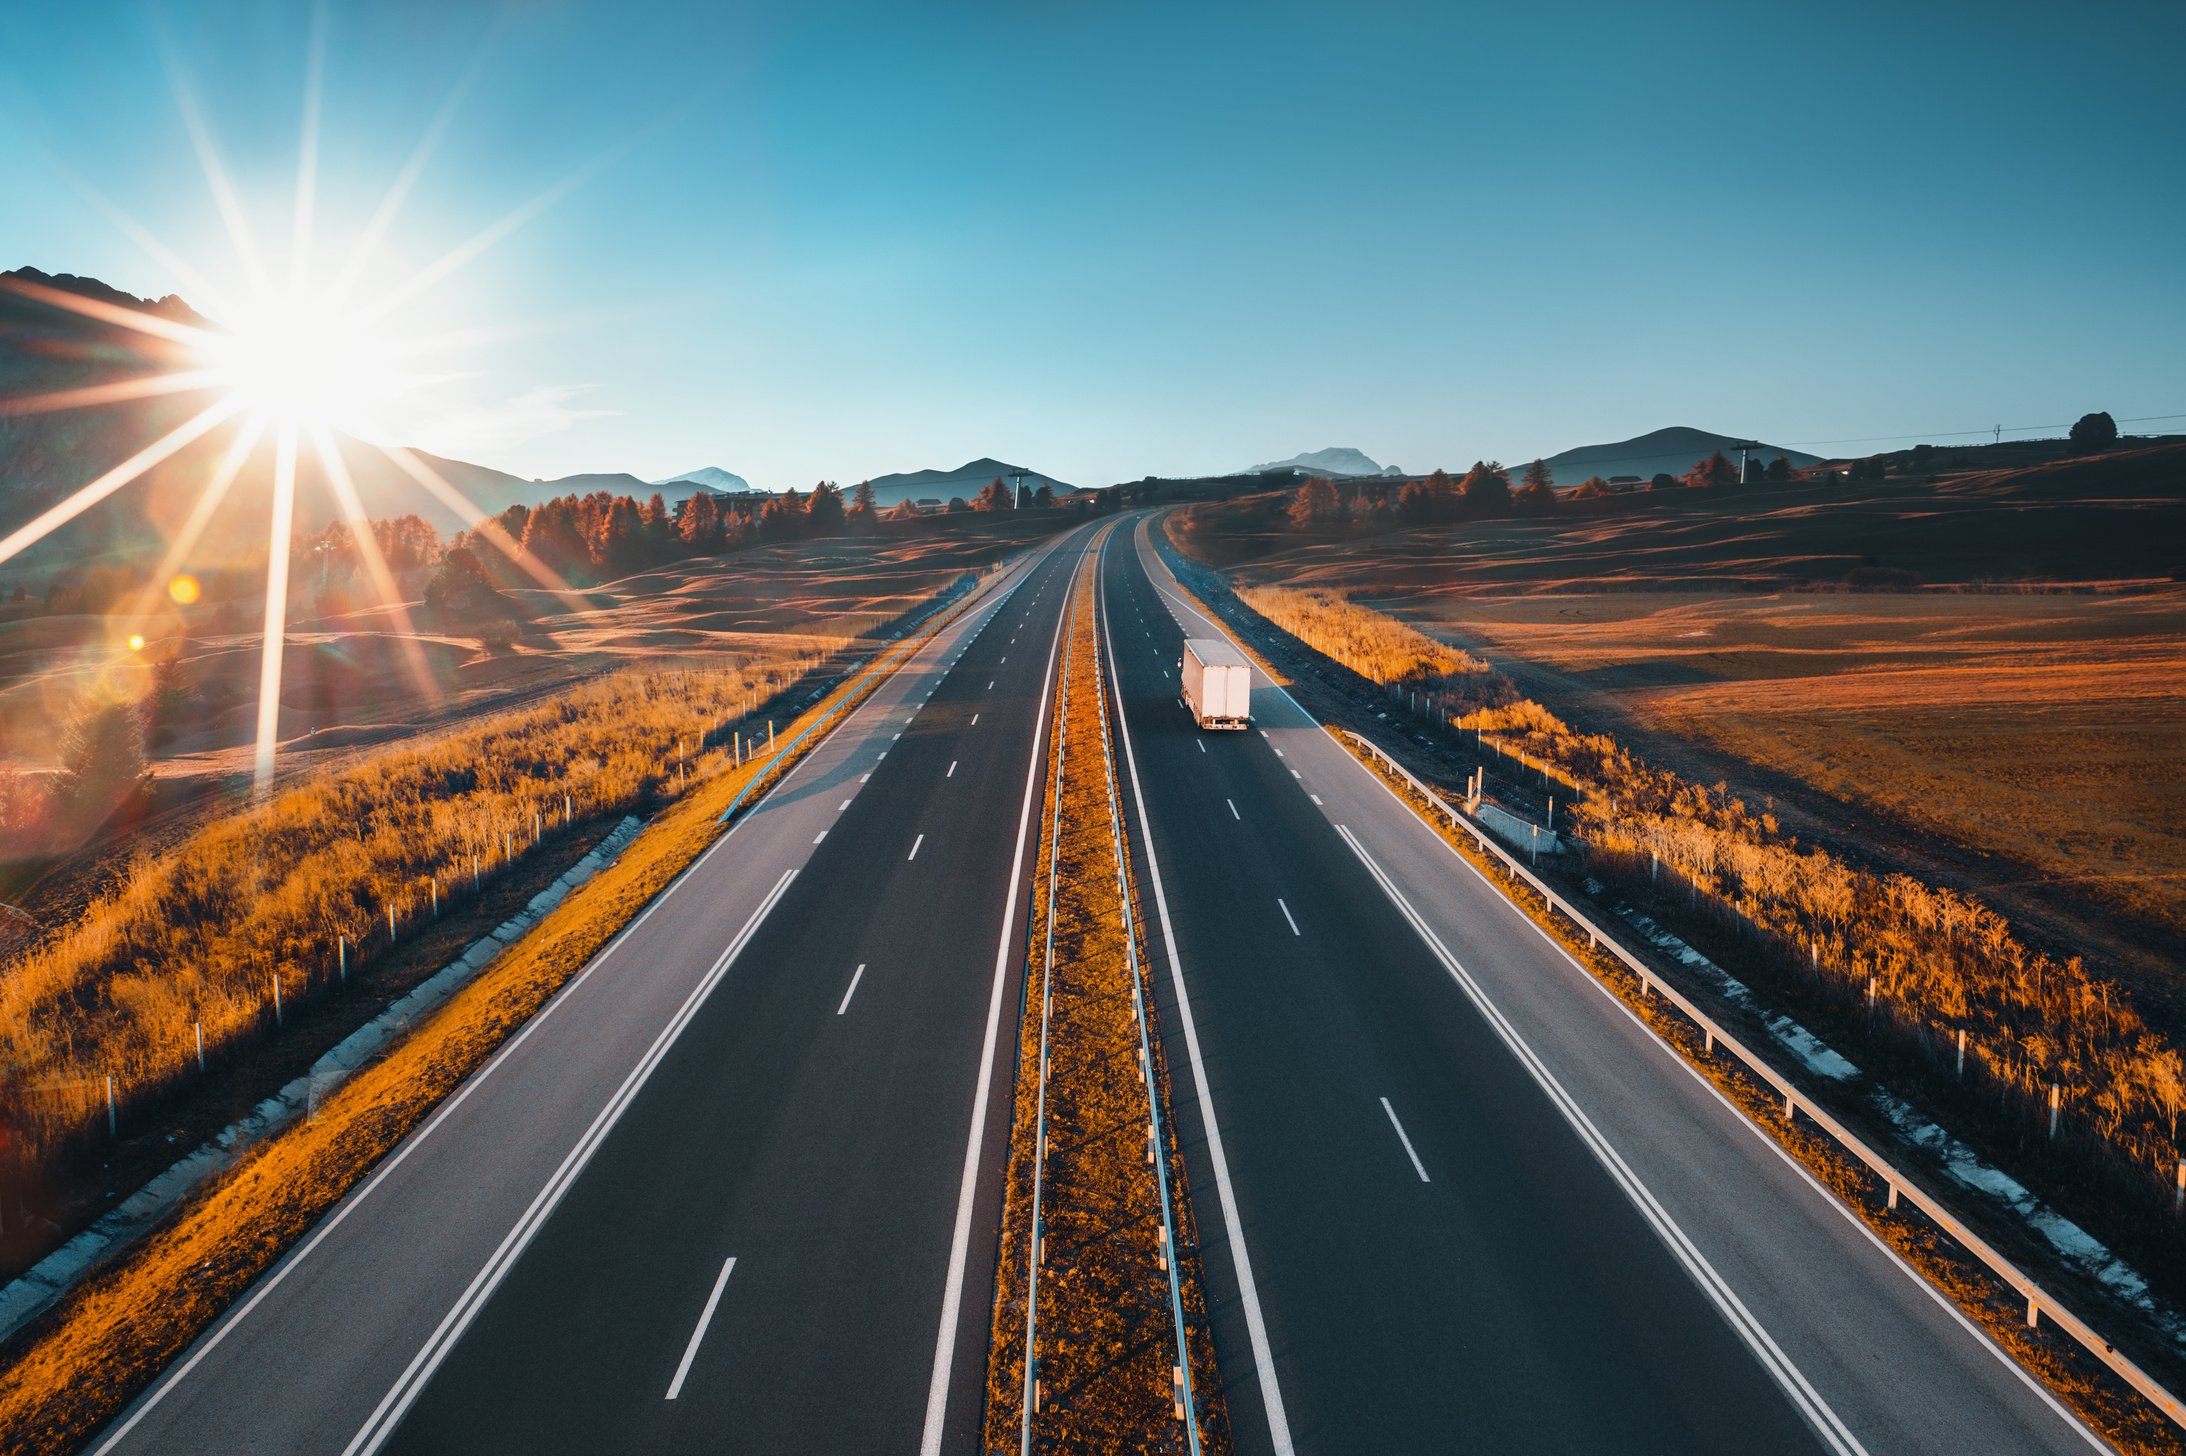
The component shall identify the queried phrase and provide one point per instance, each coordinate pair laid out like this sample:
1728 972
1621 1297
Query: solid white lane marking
1233 810
396 1403
1233 1224
1294 930
1788 1377
820 836
952 770
705 1318
1417 1166
855 976
914 847
952 1296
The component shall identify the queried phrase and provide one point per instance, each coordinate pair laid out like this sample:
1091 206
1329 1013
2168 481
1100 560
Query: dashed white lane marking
1417 1166
854 978
952 770
1297 775
914 847
705 1318
1316 798
1233 810
820 836
863 777
1294 930
842 806
1202 744
975 720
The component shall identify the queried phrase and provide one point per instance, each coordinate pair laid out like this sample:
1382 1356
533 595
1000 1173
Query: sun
301 364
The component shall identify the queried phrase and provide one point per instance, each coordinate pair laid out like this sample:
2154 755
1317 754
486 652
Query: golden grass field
2045 731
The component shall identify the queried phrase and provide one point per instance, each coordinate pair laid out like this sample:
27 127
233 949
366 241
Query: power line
1959 434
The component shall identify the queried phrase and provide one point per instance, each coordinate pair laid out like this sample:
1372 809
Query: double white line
397 1402
1809 1402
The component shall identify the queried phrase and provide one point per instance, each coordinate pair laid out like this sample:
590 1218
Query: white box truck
1217 683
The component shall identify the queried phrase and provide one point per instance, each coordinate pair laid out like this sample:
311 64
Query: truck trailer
1217 683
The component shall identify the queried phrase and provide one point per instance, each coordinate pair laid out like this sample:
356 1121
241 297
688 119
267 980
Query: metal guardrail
1035 1256
2040 1302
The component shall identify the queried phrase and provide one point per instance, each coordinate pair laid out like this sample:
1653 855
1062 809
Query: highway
737 1186
1452 1195
790 1061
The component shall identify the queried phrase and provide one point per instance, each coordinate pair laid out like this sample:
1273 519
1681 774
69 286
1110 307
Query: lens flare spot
136 642
183 590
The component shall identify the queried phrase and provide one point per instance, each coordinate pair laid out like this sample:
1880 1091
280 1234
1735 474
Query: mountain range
1335 460
711 477
1674 450
967 480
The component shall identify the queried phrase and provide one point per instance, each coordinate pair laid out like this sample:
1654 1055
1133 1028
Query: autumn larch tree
996 497
1714 473
1538 474
1314 502
700 527
1535 498
824 512
1486 489
102 758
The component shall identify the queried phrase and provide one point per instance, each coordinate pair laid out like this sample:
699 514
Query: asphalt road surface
785 1063
1452 1195
736 1189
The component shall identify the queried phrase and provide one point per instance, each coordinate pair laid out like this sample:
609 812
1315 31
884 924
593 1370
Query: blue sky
810 241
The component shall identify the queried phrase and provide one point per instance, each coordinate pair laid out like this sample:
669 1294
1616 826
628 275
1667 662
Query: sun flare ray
146 386
90 495
272 648
193 526
375 561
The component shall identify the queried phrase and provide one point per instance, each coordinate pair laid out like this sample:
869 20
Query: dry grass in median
1105 1337
122 1326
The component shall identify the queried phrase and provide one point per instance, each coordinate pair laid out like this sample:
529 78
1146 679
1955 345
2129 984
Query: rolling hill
1335 460
967 480
1673 450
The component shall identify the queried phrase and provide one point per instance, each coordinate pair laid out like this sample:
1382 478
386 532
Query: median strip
1099 1340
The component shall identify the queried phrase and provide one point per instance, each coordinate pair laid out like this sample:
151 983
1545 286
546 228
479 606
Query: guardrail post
2053 1105
2034 1313
201 1067
2178 1198
1962 1054
110 1124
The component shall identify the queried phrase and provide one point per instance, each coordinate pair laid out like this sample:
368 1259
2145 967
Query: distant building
928 506
1622 483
